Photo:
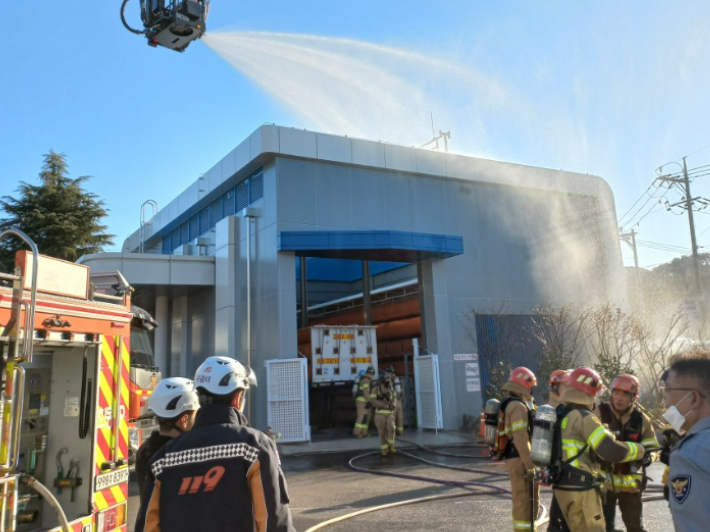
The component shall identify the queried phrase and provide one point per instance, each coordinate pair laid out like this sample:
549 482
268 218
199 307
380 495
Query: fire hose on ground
470 486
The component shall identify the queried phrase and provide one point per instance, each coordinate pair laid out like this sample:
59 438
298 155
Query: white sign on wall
472 369
472 357
473 384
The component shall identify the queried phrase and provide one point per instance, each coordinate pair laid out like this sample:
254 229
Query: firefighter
363 404
578 489
175 404
223 475
558 378
519 417
384 398
626 482
399 409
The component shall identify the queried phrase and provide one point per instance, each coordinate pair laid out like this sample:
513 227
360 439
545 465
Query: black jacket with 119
220 476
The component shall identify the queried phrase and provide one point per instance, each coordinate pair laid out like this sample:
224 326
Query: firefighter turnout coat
526 494
633 426
220 476
578 489
362 399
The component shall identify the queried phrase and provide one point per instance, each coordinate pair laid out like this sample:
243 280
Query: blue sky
618 88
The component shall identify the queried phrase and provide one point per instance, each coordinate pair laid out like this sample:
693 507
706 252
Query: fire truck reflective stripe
125 398
117 493
106 415
76 526
100 501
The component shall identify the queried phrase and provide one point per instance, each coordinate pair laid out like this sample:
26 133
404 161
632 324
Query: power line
634 205
662 247
698 151
651 197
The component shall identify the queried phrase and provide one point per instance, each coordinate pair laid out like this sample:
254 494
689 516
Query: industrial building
426 245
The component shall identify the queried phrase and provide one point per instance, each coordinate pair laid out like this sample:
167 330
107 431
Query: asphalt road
323 487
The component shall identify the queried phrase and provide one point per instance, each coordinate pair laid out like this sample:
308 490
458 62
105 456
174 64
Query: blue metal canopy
392 246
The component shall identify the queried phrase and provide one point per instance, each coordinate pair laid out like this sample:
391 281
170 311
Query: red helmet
585 380
559 376
524 377
626 383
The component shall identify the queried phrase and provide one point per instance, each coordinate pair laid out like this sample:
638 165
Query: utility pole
693 242
630 239
687 203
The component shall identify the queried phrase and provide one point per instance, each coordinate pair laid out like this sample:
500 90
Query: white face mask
674 417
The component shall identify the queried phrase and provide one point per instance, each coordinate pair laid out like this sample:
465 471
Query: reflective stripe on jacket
383 398
633 426
518 429
581 428
364 389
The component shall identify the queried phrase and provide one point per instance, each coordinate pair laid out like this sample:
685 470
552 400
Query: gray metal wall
522 247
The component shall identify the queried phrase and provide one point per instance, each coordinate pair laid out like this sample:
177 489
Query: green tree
61 217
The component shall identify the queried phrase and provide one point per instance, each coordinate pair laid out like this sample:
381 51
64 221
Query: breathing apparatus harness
630 431
503 446
561 473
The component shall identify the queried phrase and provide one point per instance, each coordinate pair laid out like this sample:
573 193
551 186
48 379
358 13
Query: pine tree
62 218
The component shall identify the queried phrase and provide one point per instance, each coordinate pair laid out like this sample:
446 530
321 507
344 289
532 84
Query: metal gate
426 377
287 394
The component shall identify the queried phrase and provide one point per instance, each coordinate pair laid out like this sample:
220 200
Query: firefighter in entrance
626 482
384 399
363 403
514 434
399 409
578 486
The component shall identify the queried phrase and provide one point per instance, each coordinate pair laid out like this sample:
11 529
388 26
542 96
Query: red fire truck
64 397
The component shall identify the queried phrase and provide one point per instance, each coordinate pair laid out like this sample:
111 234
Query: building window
231 202
242 192
256 187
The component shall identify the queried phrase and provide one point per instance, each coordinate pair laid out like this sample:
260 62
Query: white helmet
173 397
223 375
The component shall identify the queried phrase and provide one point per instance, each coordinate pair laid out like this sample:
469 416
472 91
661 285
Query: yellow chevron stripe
100 501
125 392
108 353
117 494
106 389
100 458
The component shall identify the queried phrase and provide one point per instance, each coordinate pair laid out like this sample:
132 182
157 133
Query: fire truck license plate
106 480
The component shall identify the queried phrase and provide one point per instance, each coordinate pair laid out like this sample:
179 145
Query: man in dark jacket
222 475
174 403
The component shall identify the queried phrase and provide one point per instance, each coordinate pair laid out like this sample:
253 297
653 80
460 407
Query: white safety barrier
287 395
426 376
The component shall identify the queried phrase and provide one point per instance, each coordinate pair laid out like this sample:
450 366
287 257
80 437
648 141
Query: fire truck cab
64 438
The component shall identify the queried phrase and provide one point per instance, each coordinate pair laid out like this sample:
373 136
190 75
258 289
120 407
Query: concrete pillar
366 301
304 294
181 340
227 332
436 331
162 332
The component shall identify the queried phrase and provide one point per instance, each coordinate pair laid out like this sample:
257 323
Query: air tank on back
543 435
398 386
492 409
